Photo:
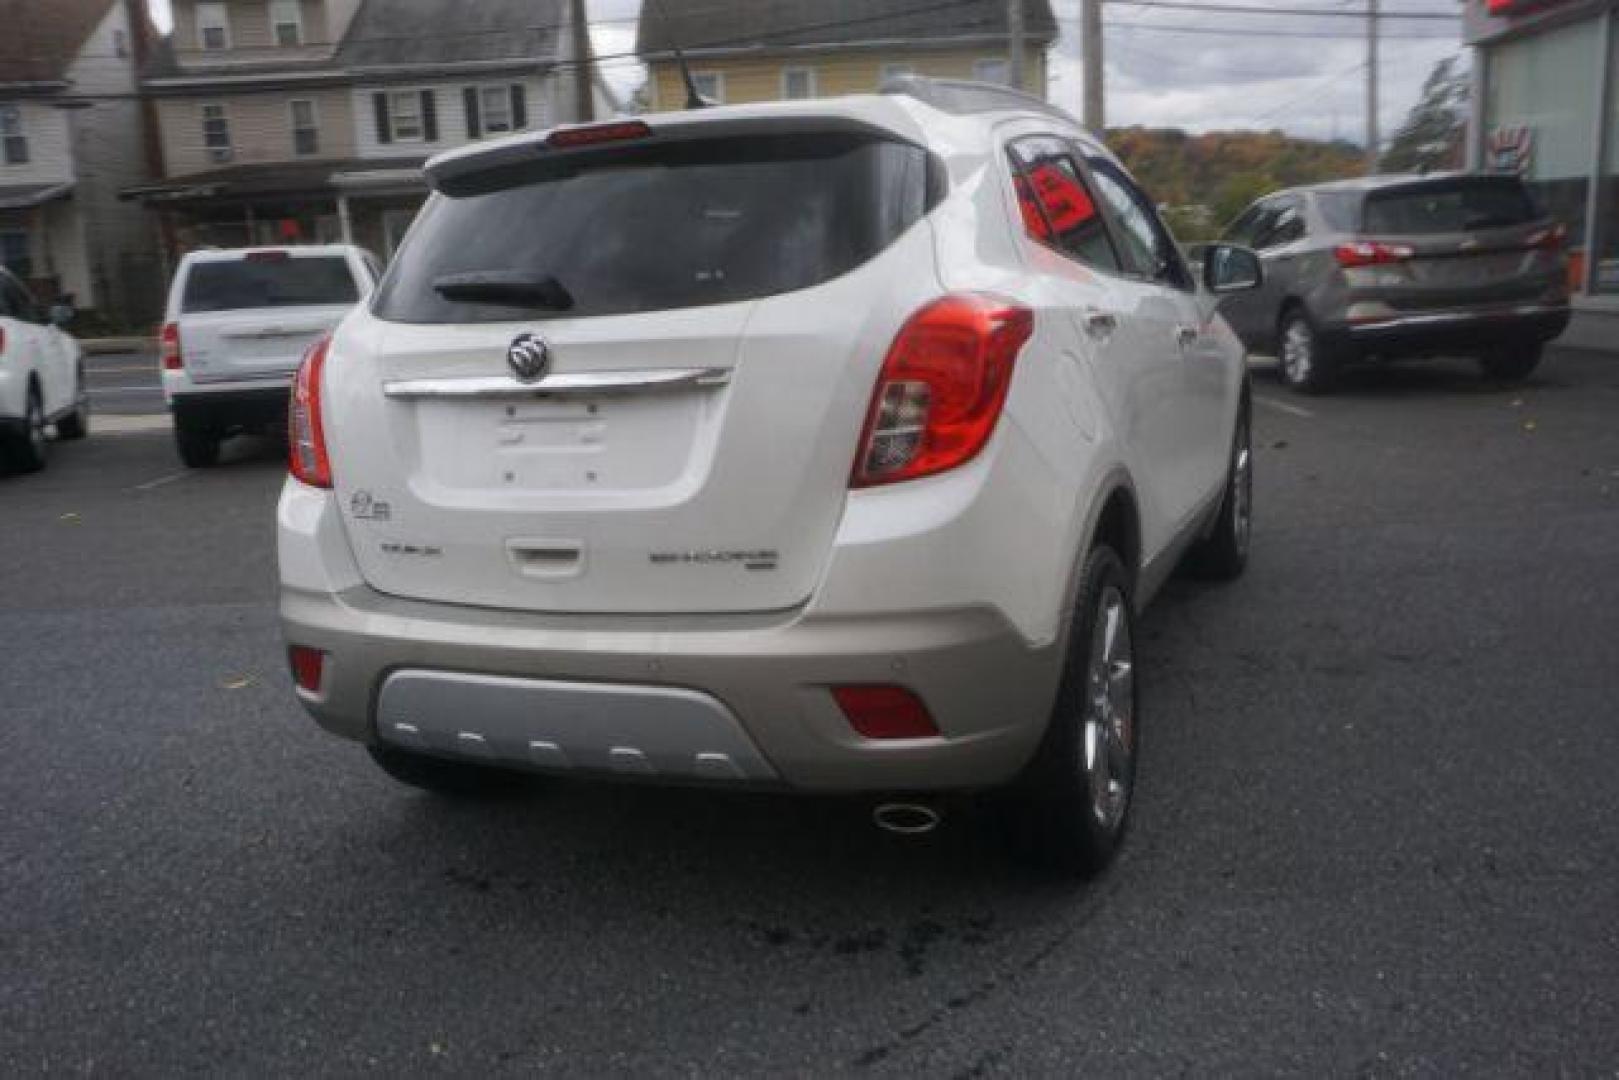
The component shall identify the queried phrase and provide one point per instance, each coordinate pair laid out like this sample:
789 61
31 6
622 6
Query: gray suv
1401 266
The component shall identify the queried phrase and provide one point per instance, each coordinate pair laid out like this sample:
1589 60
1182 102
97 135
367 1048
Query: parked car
1401 266
237 324
830 446
41 379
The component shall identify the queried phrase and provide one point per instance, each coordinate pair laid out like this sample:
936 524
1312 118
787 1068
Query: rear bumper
1453 331
228 409
726 699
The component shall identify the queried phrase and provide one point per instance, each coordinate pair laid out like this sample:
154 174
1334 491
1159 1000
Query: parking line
1284 406
159 482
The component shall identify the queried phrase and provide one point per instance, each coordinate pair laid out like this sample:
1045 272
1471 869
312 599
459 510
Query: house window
496 105
711 85
16 143
992 71
286 22
405 115
216 132
213 27
894 71
797 83
16 254
305 128
120 43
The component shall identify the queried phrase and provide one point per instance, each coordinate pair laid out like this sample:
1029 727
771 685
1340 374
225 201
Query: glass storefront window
1542 87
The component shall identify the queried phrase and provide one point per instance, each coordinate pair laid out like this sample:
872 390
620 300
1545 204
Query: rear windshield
1449 206
658 227
250 283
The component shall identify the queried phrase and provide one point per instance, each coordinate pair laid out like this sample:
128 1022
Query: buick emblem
529 357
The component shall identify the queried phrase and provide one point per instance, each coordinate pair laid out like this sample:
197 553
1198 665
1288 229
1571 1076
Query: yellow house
771 50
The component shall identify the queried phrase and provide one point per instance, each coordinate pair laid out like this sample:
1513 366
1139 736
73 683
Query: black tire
27 449
1307 364
1512 363
452 779
76 424
198 447
1069 810
1222 555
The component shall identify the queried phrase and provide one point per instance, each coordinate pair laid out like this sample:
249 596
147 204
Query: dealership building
1546 105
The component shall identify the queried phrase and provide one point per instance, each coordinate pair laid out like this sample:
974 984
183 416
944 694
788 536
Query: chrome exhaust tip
906 819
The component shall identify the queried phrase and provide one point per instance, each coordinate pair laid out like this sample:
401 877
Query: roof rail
964 97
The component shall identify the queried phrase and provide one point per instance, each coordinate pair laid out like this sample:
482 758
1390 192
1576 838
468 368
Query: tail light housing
306 428
169 347
885 712
1371 253
942 387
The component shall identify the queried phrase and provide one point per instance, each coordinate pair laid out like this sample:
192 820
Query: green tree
1431 137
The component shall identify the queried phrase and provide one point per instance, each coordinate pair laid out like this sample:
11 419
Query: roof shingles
42 38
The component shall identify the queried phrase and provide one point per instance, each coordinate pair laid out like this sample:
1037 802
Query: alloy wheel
1298 351
1108 742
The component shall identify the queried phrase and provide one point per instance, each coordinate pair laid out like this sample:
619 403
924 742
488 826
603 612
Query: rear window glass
647 228
247 283
1449 207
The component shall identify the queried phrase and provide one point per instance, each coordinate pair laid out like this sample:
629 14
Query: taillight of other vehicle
306 428
942 388
169 347
1369 253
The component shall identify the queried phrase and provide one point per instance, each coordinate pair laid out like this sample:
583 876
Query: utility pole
583 61
1015 42
1090 45
1373 140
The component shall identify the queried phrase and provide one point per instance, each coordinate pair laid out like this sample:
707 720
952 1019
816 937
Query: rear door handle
1100 324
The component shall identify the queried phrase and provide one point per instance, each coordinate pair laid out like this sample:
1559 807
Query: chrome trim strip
578 383
1458 318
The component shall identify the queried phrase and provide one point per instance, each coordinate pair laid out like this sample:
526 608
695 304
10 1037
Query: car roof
296 251
1381 182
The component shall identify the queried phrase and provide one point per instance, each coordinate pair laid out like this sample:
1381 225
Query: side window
1144 244
1247 227
1058 209
1286 226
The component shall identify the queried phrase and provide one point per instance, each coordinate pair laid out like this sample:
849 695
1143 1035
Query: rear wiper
514 287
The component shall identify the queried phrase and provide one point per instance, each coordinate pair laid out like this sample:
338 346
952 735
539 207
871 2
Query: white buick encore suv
828 446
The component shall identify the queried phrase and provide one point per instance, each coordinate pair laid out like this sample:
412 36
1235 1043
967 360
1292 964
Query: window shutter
429 116
384 129
474 125
519 106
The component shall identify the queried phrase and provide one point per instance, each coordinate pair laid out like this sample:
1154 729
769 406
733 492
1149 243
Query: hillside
1226 170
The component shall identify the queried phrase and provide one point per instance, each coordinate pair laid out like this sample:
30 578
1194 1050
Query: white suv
41 379
829 446
236 326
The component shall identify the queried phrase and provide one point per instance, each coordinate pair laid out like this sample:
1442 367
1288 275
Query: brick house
72 135
288 121
743 52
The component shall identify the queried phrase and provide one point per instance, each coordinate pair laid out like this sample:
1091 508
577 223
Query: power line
1220 31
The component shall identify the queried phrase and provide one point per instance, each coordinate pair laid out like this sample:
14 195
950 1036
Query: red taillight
169 347
306 430
885 712
1369 253
941 389
307 667
619 131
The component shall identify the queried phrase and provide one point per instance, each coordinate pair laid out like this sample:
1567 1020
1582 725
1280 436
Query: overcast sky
1302 74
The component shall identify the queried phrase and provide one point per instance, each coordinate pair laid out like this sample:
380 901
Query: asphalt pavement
1378 827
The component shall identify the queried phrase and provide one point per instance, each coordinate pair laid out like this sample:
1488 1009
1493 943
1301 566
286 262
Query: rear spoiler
476 170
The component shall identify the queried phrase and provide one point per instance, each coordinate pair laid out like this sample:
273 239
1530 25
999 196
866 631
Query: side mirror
1228 268
61 315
